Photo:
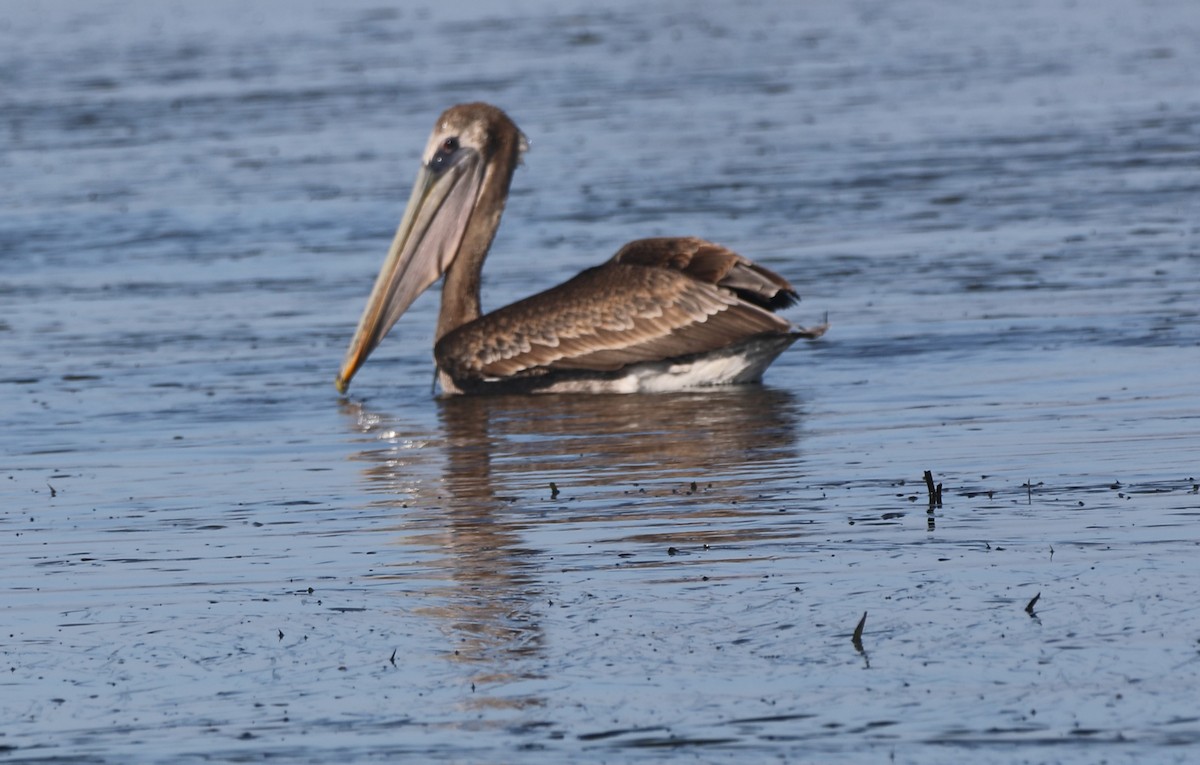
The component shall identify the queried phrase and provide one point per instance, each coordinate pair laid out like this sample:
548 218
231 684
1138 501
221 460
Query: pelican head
451 217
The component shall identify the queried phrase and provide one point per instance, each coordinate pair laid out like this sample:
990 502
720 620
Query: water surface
207 554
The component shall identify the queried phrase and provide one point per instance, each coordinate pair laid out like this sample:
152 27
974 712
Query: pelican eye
441 159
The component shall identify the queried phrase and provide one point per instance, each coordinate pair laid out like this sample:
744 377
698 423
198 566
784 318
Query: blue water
207 555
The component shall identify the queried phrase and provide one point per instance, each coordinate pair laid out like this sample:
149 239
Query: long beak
425 244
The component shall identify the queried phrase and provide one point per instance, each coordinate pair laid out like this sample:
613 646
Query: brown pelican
662 314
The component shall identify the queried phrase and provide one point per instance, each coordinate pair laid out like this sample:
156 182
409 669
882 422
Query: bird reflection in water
472 488
520 444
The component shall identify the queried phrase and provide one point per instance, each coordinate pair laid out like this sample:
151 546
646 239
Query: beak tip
341 384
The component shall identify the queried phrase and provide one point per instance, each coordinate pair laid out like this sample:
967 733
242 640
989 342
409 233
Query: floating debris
856 638
1029 606
935 492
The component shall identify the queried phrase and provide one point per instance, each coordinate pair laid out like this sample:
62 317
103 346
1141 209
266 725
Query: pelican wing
712 264
655 300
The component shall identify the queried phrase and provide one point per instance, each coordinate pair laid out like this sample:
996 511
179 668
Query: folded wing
656 299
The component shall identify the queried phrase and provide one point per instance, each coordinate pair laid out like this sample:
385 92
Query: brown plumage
655 299
661 313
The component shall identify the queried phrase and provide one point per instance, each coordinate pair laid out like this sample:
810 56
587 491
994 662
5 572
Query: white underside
742 363
666 376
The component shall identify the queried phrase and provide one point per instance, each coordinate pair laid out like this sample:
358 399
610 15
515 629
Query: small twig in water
856 639
553 490
935 492
1029 606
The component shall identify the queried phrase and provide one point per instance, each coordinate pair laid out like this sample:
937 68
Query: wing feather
654 300
713 264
